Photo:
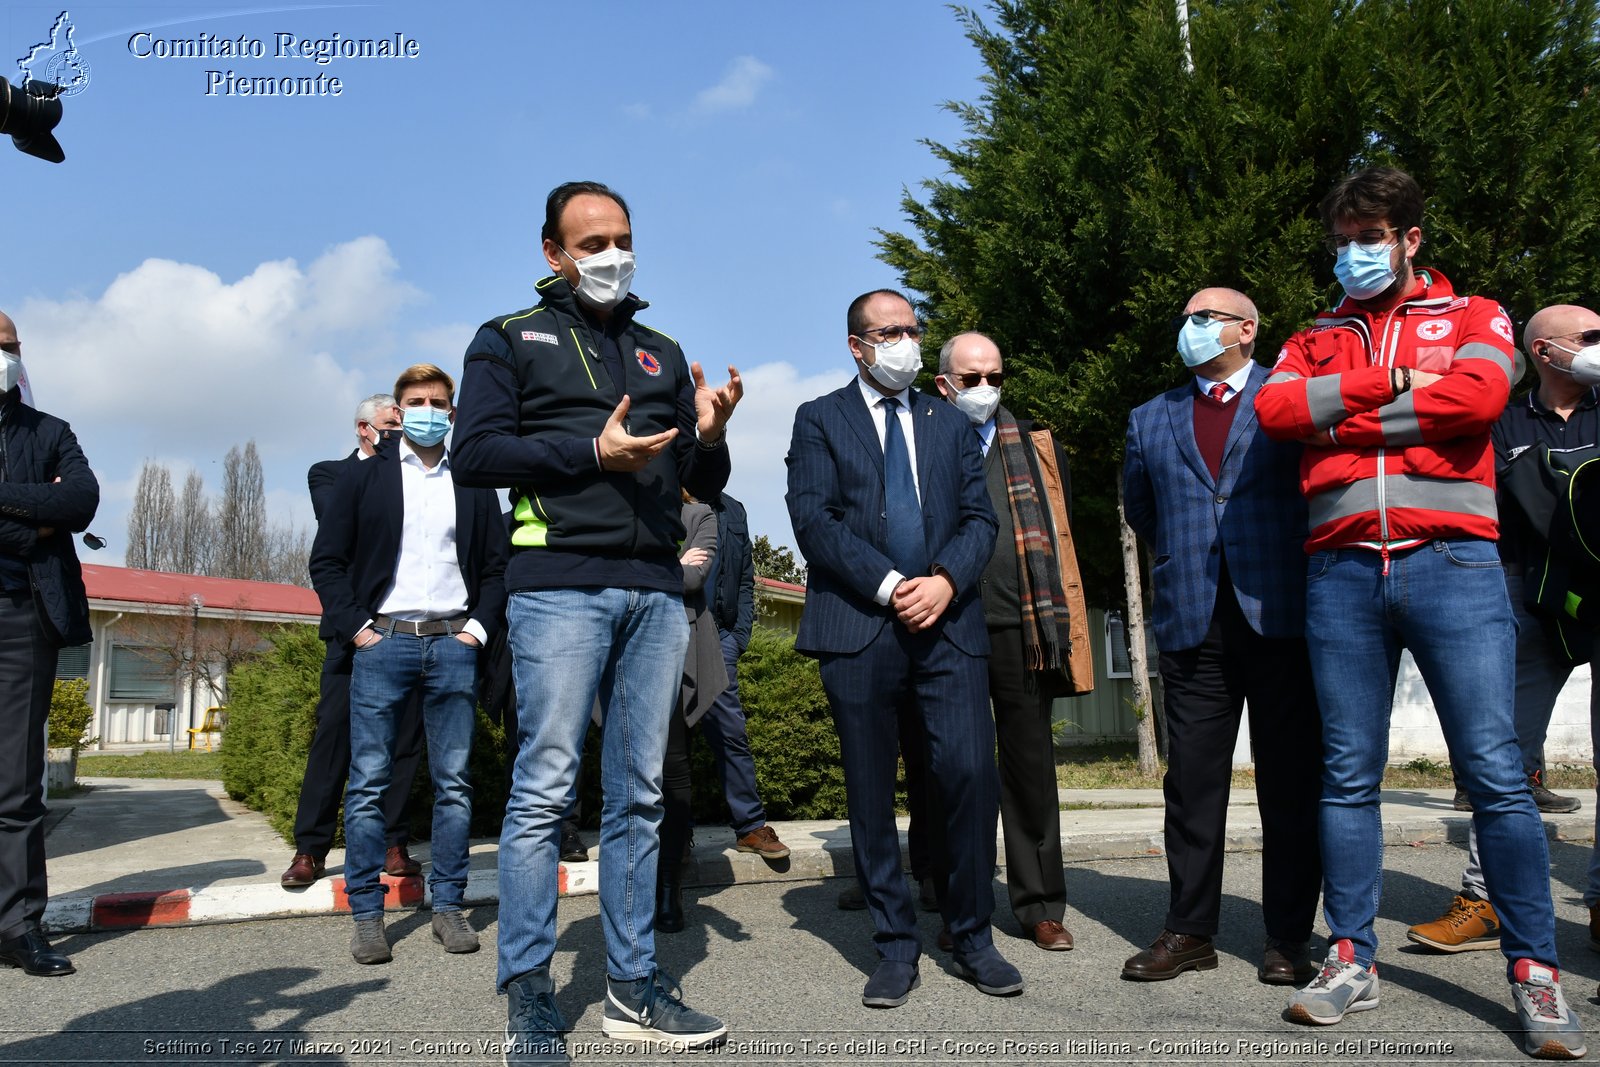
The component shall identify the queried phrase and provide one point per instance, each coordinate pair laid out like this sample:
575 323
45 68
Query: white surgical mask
604 278
897 364
10 372
1585 367
1202 342
977 403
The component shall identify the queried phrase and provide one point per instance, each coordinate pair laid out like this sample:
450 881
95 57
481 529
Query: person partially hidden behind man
410 566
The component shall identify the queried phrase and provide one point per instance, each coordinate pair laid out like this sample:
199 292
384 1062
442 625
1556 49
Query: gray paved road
785 969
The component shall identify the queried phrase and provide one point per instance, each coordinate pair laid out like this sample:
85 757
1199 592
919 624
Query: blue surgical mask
1364 272
1202 342
426 426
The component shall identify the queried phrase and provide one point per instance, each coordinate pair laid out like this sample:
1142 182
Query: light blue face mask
1364 272
1202 342
425 426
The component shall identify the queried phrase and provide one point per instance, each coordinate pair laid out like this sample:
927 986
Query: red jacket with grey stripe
1405 467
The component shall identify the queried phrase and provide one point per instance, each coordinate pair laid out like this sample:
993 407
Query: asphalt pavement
766 949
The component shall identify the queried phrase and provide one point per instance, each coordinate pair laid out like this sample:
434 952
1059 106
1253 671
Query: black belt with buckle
430 628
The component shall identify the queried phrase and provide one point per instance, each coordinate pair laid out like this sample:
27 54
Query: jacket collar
556 292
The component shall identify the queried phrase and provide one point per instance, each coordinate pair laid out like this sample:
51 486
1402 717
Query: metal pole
1183 35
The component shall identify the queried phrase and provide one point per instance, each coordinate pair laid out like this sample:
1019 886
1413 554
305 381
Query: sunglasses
971 381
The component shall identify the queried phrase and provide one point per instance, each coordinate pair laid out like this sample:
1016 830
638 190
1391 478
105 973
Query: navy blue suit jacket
358 544
836 503
1252 513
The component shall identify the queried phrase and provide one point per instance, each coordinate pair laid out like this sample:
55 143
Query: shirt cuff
892 579
370 622
475 628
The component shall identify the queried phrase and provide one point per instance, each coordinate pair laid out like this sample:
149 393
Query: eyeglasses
14 347
1588 337
1367 240
971 381
1203 316
891 334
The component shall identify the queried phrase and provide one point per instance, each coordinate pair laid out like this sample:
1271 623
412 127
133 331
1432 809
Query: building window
141 674
1119 648
73 662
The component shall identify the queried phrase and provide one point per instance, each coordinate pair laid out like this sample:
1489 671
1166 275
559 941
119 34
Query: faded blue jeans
570 647
382 678
1445 601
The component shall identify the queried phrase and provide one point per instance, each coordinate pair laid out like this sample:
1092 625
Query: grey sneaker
533 1023
1342 986
1549 1029
652 1009
367 944
451 930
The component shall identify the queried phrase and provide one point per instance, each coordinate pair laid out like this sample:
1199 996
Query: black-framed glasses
1367 240
14 347
995 378
1588 337
891 334
1204 316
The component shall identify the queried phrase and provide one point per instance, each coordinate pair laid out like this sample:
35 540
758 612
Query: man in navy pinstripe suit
887 498
1219 504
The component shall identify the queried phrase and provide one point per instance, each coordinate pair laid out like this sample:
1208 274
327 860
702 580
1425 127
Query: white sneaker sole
1461 946
1301 1014
623 1030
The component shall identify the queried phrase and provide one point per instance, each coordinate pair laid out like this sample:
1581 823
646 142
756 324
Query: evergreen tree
1101 182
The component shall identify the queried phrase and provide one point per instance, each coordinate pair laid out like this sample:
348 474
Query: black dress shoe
34 955
1170 956
890 984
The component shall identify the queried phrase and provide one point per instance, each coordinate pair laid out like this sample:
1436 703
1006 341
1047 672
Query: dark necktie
1219 391
908 546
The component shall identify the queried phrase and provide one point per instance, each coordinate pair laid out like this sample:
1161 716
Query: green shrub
791 730
272 713
70 714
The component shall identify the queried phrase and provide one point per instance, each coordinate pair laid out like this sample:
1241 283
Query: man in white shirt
409 567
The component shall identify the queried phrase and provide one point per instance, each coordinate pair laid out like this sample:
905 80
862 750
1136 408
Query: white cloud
758 439
738 88
174 363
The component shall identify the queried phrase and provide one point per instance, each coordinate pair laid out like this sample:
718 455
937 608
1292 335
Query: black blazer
358 543
322 476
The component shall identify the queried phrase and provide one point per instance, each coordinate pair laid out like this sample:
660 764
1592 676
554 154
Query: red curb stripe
561 879
115 911
397 892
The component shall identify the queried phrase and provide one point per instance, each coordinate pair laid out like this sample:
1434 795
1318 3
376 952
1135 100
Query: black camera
28 114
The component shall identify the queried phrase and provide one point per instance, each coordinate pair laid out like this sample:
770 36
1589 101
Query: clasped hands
920 602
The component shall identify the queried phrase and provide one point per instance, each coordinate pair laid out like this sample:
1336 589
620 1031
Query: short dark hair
562 195
1375 193
855 319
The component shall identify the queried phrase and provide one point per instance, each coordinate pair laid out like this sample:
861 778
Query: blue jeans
1445 601
724 729
382 679
569 647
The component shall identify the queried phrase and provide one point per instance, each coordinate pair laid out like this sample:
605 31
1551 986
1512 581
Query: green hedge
70 714
272 704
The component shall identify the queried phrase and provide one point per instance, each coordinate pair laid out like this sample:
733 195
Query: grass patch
1115 765
151 765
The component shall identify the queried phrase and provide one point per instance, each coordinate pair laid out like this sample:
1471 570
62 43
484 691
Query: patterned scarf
1045 621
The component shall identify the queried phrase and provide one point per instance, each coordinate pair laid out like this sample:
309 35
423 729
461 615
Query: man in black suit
410 566
887 499
328 761
47 493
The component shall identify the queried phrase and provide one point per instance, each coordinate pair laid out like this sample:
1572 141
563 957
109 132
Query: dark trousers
328 762
27 674
950 690
1206 688
724 730
677 796
925 835
1030 811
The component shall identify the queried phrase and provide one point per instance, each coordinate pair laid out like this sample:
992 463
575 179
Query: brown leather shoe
946 942
763 841
1052 936
303 870
398 863
1170 956
1286 963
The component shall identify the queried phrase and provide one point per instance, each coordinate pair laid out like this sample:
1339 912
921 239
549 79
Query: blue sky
204 270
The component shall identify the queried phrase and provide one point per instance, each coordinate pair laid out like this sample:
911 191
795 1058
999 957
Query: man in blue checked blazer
1220 507
887 498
